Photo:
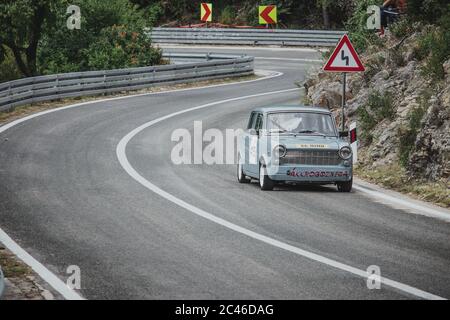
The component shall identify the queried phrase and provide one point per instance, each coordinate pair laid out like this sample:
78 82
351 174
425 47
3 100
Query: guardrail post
10 108
57 85
105 93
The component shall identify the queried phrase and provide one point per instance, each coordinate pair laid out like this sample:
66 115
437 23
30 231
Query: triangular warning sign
344 58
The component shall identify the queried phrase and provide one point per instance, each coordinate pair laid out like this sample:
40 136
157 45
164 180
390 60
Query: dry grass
11 266
394 177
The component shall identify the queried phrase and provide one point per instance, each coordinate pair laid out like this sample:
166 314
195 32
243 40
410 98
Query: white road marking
405 204
121 155
40 269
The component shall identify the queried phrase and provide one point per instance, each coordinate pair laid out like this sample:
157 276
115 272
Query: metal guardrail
76 84
283 37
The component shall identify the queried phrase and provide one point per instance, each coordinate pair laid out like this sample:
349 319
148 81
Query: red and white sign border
344 40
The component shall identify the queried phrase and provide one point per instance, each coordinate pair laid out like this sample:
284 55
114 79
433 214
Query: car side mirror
343 134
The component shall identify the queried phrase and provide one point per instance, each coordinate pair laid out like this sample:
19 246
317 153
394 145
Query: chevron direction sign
268 14
206 12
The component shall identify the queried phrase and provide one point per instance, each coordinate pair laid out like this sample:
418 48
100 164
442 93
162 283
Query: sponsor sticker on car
312 146
316 173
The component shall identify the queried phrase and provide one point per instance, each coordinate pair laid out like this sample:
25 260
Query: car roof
291 108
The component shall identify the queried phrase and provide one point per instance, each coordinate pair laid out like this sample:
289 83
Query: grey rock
430 157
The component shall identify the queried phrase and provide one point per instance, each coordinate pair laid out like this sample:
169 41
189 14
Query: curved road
67 200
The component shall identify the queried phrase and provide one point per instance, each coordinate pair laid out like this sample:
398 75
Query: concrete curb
401 201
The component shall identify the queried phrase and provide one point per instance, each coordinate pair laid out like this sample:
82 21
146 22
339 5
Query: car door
253 153
244 148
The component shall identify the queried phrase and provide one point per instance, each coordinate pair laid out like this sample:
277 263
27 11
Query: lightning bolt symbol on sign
346 58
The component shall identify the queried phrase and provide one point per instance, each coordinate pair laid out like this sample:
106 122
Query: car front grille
311 157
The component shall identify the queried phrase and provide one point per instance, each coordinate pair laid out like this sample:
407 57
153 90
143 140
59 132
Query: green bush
424 46
408 134
102 42
120 47
379 107
434 47
439 50
8 66
367 123
401 28
428 11
228 15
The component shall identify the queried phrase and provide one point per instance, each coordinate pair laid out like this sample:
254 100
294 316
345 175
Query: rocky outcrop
431 156
397 71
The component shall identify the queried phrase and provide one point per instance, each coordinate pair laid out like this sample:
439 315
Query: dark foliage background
34 39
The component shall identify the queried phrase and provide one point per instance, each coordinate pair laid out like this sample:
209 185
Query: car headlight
279 151
345 153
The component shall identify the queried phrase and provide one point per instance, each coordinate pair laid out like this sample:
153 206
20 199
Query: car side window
252 121
259 122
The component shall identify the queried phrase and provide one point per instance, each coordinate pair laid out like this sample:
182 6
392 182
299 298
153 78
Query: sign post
344 85
344 59
206 12
268 15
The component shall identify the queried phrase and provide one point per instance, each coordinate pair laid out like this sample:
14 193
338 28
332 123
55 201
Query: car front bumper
310 174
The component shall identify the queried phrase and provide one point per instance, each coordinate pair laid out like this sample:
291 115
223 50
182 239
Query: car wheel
264 181
345 186
242 178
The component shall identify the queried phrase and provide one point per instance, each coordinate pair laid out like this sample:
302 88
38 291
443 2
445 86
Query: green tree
22 24
324 5
63 50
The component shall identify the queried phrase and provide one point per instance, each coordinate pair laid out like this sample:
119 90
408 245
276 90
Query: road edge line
48 276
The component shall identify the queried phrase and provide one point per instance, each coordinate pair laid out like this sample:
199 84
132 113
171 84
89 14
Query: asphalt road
67 200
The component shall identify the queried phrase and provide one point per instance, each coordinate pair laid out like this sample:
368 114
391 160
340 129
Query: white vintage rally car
294 144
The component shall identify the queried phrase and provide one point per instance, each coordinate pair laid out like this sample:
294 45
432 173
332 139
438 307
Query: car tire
265 182
242 178
345 186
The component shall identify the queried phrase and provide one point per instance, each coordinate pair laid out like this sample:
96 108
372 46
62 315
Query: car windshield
308 123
